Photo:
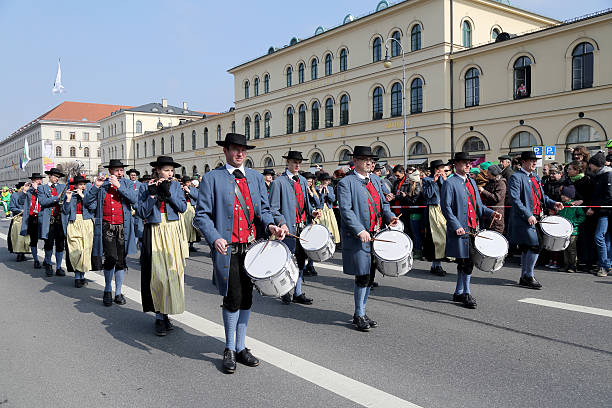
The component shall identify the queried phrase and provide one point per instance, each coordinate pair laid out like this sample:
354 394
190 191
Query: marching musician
30 225
112 199
164 248
315 201
51 230
268 178
435 235
290 205
363 209
17 244
78 224
133 176
231 198
528 200
462 207
191 196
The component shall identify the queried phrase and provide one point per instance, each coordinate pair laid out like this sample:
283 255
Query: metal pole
404 111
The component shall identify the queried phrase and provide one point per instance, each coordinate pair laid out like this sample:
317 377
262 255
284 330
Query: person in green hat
6 198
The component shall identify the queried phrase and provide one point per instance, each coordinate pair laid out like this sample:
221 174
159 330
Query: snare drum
556 233
489 250
271 267
397 227
393 258
318 242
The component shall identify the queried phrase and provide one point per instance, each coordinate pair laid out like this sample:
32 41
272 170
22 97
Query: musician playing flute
363 208
290 205
111 199
230 200
51 230
31 209
16 243
463 210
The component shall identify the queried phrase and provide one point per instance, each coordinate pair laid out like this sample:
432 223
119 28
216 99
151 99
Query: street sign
538 150
549 152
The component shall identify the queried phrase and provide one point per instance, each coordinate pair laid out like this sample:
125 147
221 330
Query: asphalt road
61 347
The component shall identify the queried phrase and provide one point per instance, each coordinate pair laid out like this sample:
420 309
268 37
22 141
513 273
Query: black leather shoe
48 269
437 270
160 327
306 272
107 299
286 298
374 284
229 361
21 257
78 283
372 323
458 297
312 270
120 299
60 272
84 282
302 299
530 282
361 323
37 265
169 325
245 357
469 301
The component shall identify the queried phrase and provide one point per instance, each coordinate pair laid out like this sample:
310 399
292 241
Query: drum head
400 246
314 237
557 226
491 243
398 227
260 265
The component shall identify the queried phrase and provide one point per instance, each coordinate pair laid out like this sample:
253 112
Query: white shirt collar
463 177
362 177
231 169
526 172
289 174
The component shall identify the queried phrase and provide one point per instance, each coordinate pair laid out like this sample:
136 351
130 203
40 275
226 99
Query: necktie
367 180
296 178
238 174
52 185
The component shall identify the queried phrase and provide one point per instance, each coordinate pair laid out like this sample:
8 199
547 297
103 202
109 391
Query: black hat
269 171
308 175
20 184
436 163
378 167
295 155
36 175
234 139
528 155
55 171
164 161
115 163
324 176
185 179
78 179
133 171
363 151
504 157
599 160
144 178
462 156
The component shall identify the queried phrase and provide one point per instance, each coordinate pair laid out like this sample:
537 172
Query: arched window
376 49
163 146
522 78
329 113
302 118
523 139
58 151
396 47
472 87
314 69
233 128
205 137
194 171
377 103
328 64
415 38
194 140
246 89
314 113
473 144
248 163
256 126
144 150
183 171
138 126
494 33
182 144
582 66
380 152
289 74
152 147
247 127
396 99
122 152
343 60
219 130
316 158
466 29
266 83
417 149
344 110
416 96
206 168
138 150
268 162
289 120
344 155
267 124
583 134
301 73
256 87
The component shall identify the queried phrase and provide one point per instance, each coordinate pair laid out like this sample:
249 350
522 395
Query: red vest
396 202
299 195
536 196
79 207
471 196
34 205
240 227
55 209
371 210
112 211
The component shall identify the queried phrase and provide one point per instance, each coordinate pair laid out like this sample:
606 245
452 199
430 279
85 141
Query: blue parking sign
549 150
538 150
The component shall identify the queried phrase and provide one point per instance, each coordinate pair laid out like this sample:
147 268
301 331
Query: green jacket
573 214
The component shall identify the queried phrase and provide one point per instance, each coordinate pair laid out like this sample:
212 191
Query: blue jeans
415 228
602 242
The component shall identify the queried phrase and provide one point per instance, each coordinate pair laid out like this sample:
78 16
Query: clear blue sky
133 52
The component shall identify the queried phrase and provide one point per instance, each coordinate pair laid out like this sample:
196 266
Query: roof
158 108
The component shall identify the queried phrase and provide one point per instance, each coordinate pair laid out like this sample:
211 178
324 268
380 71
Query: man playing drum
231 197
51 230
363 209
528 201
461 205
290 205
31 209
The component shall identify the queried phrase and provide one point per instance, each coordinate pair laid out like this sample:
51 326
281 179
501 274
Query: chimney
164 103
184 105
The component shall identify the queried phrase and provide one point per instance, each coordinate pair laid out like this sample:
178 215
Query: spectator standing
576 216
493 194
602 196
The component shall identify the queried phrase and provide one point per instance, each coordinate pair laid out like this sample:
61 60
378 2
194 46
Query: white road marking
568 306
337 383
328 266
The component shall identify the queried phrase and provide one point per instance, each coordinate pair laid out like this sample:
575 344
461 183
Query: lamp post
389 64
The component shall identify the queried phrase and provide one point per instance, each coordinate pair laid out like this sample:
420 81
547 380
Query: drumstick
295 236
383 240
548 222
476 235
492 221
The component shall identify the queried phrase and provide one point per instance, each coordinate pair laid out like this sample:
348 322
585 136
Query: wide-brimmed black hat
378 167
115 163
308 175
144 178
436 163
164 161
269 171
504 157
20 184
363 151
528 155
55 171
130 171
324 176
185 179
295 155
462 156
36 175
235 139
78 179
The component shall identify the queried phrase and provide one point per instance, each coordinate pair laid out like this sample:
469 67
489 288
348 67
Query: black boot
229 361
107 299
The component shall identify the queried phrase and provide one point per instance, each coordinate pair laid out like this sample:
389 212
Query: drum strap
243 204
